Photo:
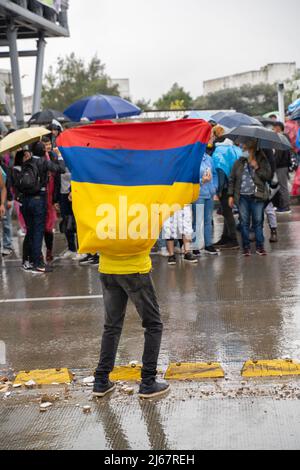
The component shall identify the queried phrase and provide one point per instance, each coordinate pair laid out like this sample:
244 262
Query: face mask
246 154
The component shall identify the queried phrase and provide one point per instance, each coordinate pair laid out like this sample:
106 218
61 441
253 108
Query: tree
72 80
175 98
253 100
143 104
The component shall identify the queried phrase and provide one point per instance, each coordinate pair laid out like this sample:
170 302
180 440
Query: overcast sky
157 42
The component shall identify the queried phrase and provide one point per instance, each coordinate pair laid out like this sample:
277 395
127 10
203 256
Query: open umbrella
22 137
295 115
101 107
295 106
231 120
206 115
47 116
266 138
265 121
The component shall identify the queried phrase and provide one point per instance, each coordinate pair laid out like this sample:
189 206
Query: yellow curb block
274 368
44 377
194 371
126 373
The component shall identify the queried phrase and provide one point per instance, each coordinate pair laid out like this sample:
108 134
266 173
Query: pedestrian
51 213
55 132
32 183
248 189
68 223
208 189
224 157
7 247
3 193
180 227
283 163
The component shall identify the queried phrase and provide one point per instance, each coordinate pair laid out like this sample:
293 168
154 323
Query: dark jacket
261 177
283 158
44 167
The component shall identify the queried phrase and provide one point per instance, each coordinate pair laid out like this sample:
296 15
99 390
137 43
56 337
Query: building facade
270 74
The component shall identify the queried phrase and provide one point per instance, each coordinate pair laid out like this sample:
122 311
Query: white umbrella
22 137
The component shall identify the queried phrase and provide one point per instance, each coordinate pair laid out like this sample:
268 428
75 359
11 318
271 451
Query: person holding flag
127 180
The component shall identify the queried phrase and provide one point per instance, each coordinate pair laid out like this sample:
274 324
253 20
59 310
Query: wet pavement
226 309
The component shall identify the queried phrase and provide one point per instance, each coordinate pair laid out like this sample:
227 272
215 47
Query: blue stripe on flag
134 167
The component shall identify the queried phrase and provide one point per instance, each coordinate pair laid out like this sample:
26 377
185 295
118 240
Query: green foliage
143 104
73 79
253 100
175 96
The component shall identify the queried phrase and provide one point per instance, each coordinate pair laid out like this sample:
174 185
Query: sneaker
95 260
153 389
164 252
261 252
102 388
68 254
211 250
27 267
274 236
172 260
223 242
86 260
21 232
41 270
7 251
197 253
190 258
77 256
247 252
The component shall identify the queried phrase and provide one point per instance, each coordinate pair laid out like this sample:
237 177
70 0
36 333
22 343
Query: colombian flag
126 176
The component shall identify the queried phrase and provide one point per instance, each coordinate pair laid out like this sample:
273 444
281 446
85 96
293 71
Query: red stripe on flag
138 136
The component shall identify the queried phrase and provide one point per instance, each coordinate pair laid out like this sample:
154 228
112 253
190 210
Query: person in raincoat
224 157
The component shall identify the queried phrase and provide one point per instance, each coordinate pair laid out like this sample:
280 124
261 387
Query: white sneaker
21 233
77 257
164 252
67 254
6 251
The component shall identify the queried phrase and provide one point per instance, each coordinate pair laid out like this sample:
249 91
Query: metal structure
30 19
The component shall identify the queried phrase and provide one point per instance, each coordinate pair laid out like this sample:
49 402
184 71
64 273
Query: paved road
226 309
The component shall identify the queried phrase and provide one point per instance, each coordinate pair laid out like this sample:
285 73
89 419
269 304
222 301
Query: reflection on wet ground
226 309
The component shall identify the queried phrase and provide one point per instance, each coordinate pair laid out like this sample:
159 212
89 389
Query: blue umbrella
295 106
231 120
99 107
206 115
295 116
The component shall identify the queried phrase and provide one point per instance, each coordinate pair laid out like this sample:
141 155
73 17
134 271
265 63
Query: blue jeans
7 230
251 208
34 213
208 209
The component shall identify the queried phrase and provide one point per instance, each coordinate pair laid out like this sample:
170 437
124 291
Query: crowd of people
246 183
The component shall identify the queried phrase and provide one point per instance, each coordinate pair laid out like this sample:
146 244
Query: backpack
29 180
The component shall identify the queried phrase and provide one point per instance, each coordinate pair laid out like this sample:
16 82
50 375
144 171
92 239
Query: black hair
19 158
279 124
46 139
38 149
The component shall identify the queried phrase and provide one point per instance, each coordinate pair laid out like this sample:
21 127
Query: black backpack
29 180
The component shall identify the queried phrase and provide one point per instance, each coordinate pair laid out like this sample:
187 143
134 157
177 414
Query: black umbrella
232 119
47 116
266 139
